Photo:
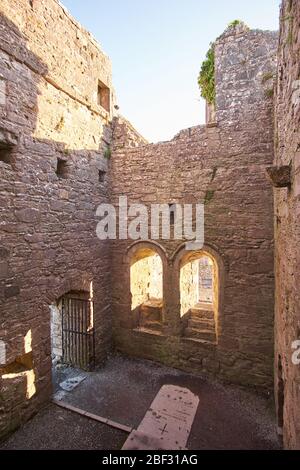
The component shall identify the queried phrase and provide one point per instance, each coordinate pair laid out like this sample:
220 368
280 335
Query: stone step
202 314
152 325
151 311
205 335
202 323
154 303
204 306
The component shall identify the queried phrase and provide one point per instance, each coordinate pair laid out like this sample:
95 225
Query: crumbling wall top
234 30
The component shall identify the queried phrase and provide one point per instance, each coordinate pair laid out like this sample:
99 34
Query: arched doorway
199 294
146 288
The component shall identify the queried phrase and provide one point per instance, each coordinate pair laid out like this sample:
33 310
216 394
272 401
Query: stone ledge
7 138
147 332
199 342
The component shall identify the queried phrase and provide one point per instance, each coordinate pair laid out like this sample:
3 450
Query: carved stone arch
146 244
78 281
139 250
182 256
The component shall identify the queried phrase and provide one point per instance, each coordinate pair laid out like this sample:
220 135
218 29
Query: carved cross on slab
168 422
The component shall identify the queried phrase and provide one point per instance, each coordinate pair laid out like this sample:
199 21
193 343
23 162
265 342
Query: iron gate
78 334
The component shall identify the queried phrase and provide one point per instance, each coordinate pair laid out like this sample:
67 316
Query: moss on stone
267 76
269 93
209 196
107 153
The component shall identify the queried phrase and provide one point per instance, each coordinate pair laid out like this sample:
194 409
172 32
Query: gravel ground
227 418
57 429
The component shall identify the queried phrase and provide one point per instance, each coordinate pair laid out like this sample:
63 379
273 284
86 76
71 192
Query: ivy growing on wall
206 79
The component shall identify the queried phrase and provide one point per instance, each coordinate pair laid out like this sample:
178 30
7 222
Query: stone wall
48 243
56 333
287 227
50 113
224 167
245 76
146 280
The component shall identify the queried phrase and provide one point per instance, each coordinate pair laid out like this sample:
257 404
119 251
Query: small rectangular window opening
102 175
62 169
103 96
172 209
6 154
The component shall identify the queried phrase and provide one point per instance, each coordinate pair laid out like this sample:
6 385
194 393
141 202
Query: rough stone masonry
59 125
49 115
287 226
226 160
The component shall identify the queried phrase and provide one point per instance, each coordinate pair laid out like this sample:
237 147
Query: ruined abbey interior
229 311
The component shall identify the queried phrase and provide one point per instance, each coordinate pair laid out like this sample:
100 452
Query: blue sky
156 48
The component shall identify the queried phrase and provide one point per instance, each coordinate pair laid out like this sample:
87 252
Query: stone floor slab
70 384
168 422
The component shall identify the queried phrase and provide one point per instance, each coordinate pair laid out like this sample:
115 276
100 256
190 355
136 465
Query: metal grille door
78 334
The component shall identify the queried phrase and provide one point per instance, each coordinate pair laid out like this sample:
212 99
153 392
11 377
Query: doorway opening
199 297
72 330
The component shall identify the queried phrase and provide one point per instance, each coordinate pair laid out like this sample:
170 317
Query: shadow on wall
18 111
38 223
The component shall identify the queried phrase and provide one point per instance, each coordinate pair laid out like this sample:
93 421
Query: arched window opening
72 330
146 287
199 297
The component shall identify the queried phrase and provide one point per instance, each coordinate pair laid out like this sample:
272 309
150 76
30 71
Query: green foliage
290 19
61 124
215 170
209 196
107 153
289 39
269 93
206 79
234 23
267 76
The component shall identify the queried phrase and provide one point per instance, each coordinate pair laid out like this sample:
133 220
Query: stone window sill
211 344
146 331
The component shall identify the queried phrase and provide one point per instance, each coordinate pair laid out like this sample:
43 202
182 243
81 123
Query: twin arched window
198 288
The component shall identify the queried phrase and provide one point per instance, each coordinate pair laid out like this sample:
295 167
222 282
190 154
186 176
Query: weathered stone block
11 291
2 92
280 177
29 215
3 269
